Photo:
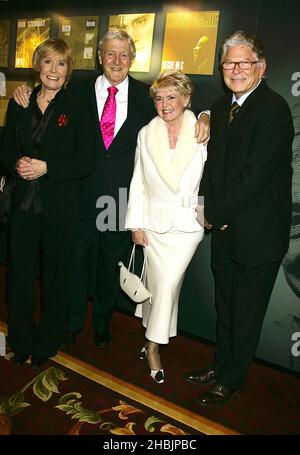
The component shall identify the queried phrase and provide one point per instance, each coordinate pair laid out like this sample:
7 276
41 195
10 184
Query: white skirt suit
162 201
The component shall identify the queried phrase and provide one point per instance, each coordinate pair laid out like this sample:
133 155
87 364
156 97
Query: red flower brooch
62 120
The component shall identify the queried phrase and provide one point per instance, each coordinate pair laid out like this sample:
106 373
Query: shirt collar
122 87
243 98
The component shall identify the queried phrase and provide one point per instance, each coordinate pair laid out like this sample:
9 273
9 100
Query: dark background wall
277 24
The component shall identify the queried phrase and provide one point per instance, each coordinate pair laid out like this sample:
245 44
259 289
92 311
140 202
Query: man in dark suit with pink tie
119 107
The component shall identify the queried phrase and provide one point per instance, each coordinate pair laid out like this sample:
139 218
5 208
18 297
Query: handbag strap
131 260
131 264
144 268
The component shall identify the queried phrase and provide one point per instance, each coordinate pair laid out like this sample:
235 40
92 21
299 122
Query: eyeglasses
242 65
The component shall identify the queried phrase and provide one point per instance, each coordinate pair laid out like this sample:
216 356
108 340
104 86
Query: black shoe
200 377
217 395
37 362
143 353
68 339
20 358
102 339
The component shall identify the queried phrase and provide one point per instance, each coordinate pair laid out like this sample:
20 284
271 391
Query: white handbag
131 284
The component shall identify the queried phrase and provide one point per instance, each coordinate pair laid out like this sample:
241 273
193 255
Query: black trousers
33 240
242 293
97 275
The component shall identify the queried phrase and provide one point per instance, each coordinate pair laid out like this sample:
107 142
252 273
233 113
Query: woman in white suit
161 209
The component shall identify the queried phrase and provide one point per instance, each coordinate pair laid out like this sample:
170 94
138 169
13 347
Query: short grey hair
116 33
241 38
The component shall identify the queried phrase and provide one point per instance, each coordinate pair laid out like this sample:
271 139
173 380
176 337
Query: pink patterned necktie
108 118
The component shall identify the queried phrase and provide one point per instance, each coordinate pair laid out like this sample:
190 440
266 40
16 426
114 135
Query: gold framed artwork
30 33
81 34
4 43
190 42
140 27
3 110
10 87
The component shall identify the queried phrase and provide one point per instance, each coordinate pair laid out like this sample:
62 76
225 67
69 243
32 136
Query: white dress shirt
101 92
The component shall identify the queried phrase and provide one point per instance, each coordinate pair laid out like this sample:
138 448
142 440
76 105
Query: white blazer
164 187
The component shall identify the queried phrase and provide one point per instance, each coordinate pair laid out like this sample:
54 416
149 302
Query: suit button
108 155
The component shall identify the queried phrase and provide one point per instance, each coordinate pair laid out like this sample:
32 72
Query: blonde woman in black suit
47 145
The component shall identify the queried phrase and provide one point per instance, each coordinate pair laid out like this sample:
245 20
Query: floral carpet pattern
59 401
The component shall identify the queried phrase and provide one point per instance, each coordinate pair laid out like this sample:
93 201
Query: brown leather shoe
218 394
200 377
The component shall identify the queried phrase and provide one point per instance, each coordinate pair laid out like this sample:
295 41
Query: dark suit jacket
67 150
114 167
248 174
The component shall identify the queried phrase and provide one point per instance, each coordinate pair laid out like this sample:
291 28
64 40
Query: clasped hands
209 226
203 221
31 168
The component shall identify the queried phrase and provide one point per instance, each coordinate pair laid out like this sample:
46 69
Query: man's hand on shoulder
202 130
21 95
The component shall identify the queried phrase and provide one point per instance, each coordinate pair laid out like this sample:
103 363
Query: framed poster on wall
140 28
30 34
81 34
3 110
4 43
190 42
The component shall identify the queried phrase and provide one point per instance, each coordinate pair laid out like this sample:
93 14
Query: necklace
173 134
172 142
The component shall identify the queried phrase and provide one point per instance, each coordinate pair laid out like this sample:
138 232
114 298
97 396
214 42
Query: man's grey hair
241 38
117 34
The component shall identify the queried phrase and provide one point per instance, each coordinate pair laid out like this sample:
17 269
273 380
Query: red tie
108 118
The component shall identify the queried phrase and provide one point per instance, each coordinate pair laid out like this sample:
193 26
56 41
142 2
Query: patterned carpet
59 401
270 404
69 397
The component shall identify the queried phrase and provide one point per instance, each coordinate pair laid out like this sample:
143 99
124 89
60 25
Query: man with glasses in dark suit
248 204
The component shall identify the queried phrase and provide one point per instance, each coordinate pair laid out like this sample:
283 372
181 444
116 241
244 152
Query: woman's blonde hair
48 47
173 79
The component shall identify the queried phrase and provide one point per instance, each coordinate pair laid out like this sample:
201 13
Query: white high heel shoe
158 376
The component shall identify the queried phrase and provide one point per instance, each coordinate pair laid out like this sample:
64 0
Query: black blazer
114 167
67 150
248 174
